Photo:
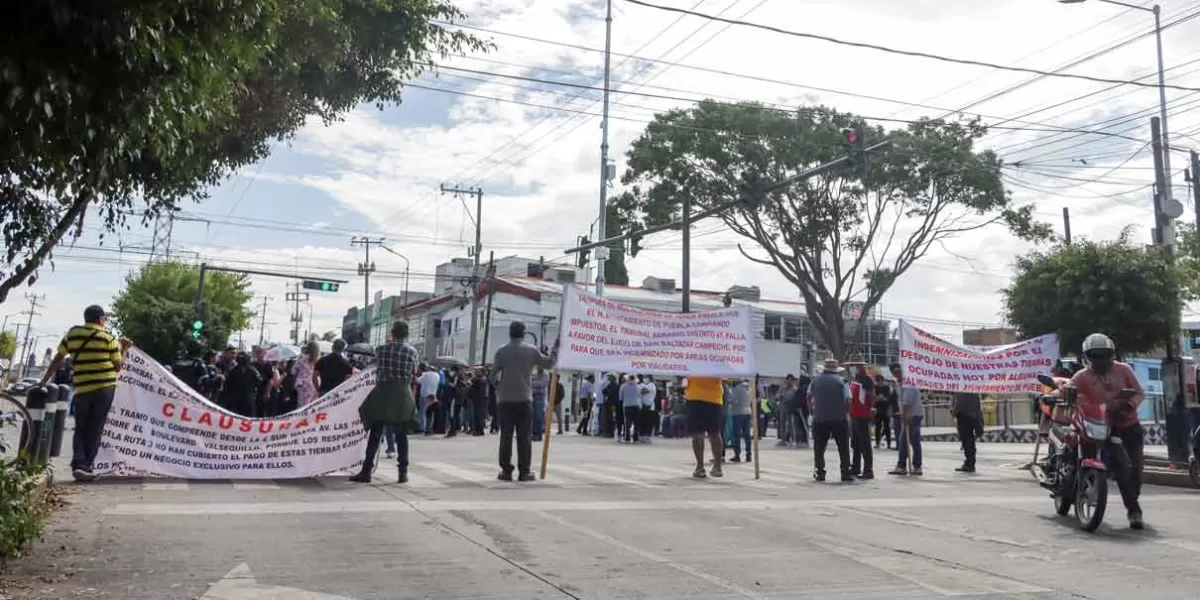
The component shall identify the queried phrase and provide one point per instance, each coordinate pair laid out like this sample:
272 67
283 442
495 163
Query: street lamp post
1162 90
407 266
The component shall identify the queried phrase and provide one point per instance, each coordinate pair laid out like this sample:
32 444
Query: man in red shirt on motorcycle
1102 382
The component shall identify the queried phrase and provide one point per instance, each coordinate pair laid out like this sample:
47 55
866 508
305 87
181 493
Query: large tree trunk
35 260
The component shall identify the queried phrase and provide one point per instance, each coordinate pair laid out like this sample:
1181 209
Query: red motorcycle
1079 446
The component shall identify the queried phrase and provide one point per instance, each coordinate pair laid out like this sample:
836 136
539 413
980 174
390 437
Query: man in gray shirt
512 370
911 413
829 397
968 417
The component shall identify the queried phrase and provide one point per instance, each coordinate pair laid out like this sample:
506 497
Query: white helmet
1098 341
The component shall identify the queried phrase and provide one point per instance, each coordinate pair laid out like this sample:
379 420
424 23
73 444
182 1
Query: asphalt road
610 521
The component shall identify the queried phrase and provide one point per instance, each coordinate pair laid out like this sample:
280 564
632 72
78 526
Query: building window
1155 374
793 330
772 327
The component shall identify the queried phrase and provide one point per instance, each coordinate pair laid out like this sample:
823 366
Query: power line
913 53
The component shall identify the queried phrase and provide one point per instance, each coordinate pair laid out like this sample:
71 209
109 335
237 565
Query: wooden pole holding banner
549 414
754 424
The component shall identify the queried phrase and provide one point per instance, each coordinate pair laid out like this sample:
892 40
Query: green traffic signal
197 325
324 286
196 335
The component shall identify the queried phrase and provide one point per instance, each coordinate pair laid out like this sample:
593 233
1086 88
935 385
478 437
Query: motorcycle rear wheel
1194 471
1091 499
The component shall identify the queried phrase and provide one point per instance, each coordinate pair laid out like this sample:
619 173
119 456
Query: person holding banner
705 418
391 404
512 371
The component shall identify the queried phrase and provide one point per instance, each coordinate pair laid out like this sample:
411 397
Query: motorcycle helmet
1099 347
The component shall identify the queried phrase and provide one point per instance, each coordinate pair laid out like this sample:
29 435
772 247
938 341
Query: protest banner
160 427
931 363
598 334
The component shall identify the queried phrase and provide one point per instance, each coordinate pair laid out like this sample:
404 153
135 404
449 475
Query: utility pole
605 169
686 224
1166 210
296 297
1194 176
475 252
1067 225
366 267
262 320
33 306
487 318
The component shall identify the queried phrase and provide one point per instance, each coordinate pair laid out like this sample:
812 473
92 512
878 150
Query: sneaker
916 472
389 454
363 477
898 471
819 475
505 476
782 444
965 469
526 477
452 434
736 459
847 477
867 475
1135 521
699 473
402 477
83 475
716 471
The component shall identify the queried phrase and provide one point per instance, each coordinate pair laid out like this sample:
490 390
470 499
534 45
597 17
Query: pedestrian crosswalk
443 475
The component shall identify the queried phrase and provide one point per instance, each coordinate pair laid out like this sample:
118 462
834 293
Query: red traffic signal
851 135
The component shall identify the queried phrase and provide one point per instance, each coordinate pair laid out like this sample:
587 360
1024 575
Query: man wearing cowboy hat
829 397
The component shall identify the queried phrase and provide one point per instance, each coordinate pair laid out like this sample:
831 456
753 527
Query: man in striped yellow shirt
96 357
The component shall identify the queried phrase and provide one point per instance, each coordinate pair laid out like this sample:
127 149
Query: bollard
60 419
35 403
46 433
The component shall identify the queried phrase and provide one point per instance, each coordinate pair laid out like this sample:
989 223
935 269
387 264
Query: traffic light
856 149
635 245
584 255
321 286
750 189
197 329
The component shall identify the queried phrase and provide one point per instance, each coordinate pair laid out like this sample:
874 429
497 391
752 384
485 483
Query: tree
836 237
1126 292
615 271
8 344
330 335
157 306
127 105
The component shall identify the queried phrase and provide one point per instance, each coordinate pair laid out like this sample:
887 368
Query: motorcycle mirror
1126 394
1047 381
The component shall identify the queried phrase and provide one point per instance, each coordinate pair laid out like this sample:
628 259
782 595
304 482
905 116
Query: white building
784 342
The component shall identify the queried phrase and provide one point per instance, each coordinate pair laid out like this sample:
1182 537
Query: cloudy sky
534 147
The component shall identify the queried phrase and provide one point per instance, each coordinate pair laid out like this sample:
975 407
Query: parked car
22 386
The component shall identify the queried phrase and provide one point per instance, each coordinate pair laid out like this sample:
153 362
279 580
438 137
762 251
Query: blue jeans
421 406
539 417
741 431
910 435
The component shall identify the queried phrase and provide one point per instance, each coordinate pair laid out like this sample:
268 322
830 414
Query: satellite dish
1172 208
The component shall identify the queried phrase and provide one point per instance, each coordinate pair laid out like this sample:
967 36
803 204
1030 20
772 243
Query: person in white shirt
647 391
428 383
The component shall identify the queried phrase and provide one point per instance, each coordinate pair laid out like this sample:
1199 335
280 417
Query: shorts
704 417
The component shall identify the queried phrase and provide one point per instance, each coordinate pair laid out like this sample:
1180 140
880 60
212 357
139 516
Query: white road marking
255 485
553 478
603 477
476 477
420 481
165 486
391 506
739 479
240 584
657 558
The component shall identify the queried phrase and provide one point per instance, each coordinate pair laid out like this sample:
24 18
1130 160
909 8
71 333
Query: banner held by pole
546 421
754 424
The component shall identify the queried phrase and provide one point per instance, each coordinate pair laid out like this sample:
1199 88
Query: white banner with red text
597 334
932 363
160 427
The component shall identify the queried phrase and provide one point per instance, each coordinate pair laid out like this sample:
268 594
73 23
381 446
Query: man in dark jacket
241 386
478 394
968 416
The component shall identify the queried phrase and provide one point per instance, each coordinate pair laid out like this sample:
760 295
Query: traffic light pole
686 225
474 335
720 208
367 266
205 268
1174 382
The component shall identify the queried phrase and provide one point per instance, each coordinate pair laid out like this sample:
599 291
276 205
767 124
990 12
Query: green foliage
132 107
157 306
834 236
1187 251
22 510
615 271
8 344
1124 291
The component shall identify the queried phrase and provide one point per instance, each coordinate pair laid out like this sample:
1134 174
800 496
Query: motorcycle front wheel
1091 499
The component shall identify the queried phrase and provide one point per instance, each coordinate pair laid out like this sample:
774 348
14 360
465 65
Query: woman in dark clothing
478 394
